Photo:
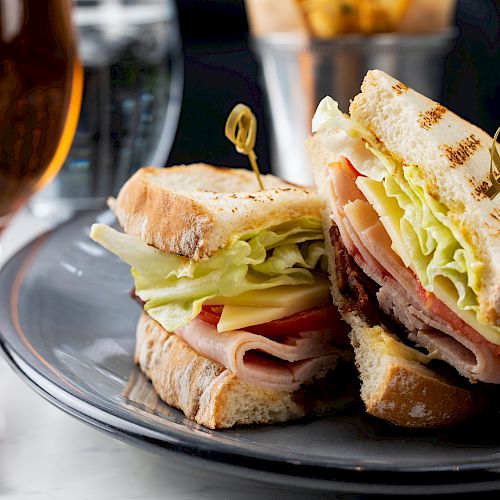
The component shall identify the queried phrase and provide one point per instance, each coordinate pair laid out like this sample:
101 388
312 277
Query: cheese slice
238 317
280 302
389 212
447 293
388 344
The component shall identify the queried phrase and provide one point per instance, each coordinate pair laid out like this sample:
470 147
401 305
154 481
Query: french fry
381 16
275 16
427 16
329 18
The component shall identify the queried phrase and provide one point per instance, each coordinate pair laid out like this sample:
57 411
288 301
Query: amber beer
40 94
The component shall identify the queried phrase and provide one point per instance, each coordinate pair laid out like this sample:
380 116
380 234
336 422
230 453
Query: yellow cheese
445 291
389 212
238 317
280 302
279 296
390 345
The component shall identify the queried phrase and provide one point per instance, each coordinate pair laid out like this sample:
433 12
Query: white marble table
46 454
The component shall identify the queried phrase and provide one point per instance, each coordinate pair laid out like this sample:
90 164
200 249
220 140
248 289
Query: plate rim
191 445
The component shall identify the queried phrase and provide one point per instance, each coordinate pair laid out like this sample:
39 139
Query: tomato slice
351 166
323 317
210 314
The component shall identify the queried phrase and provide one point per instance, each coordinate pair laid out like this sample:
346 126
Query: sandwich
238 325
413 237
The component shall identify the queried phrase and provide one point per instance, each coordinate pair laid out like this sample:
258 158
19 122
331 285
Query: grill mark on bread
431 117
462 151
248 196
480 191
400 88
495 213
377 138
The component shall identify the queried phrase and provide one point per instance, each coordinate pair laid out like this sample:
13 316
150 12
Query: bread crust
429 403
198 209
407 393
453 156
210 394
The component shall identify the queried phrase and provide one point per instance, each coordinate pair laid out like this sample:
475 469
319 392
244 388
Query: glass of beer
40 93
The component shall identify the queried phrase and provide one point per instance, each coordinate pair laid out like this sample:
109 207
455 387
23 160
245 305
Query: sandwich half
414 243
238 325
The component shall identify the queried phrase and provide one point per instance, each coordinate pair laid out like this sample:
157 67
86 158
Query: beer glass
40 94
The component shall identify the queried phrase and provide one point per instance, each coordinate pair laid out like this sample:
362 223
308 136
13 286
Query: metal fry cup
299 72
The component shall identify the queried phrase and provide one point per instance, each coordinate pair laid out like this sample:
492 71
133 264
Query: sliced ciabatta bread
211 394
453 157
196 210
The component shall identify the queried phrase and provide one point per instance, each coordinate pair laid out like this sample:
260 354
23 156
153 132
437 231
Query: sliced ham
342 187
429 322
469 358
282 365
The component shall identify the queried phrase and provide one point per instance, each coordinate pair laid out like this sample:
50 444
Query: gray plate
67 326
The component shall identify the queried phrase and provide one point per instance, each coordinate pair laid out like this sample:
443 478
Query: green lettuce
435 247
174 288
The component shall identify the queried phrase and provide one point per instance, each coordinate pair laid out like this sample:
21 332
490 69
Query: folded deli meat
283 365
397 252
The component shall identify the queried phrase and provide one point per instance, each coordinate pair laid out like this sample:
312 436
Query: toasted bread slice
194 211
403 391
454 157
211 394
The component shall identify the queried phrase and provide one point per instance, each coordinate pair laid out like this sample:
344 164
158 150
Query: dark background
220 71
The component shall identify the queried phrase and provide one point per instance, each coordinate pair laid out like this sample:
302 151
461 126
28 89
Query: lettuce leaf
430 239
342 135
174 288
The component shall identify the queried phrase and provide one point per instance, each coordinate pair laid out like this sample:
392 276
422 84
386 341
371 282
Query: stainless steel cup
298 73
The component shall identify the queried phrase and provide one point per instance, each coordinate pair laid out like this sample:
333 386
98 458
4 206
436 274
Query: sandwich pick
241 130
494 189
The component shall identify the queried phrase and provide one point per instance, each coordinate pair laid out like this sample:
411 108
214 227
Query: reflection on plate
67 326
